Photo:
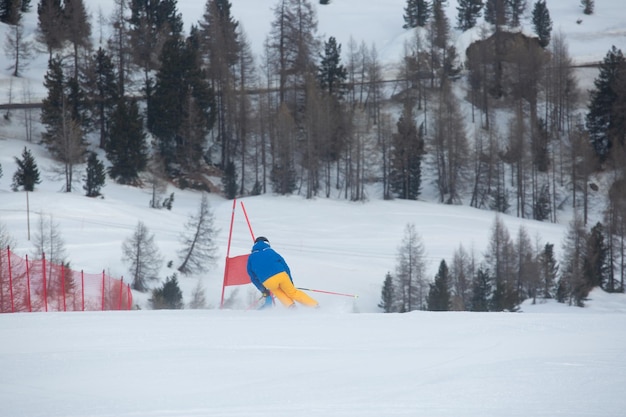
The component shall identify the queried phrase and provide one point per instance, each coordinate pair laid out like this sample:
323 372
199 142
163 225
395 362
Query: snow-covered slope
559 362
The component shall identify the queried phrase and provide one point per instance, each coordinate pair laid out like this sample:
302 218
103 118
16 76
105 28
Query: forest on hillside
313 117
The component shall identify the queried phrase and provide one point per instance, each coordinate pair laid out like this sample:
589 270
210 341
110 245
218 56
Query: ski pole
254 304
330 292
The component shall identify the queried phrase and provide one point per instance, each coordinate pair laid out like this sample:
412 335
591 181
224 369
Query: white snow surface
345 359
557 362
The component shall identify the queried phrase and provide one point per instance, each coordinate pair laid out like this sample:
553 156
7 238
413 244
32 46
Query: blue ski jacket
263 263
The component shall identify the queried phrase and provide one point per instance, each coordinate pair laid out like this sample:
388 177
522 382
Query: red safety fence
27 286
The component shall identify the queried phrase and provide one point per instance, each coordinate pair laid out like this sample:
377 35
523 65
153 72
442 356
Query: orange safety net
39 285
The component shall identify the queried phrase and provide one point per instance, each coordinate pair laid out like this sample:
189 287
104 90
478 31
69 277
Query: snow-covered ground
211 363
550 360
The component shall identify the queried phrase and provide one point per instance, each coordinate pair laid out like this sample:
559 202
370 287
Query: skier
270 274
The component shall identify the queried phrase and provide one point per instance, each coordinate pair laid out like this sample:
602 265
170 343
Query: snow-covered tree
410 278
142 256
198 252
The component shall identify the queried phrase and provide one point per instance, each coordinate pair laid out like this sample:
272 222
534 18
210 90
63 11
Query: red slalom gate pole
230 237
30 305
330 292
247 220
10 279
82 286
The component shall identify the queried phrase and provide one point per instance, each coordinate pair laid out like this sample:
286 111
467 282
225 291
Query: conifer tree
151 24
440 27
596 265
481 291
542 23
293 48
221 48
62 113
95 176
142 256
462 272
498 300
329 127
103 95
496 12
501 258
283 173
562 290
416 13
118 44
548 271
169 296
409 280
127 149
77 27
11 10
406 157
615 220
387 296
572 285
64 116
76 105
198 252
449 147
182 107
602 121
49 32
331 73
71 148
468 13
516 9
588 6
542 205
229 181
27 173
52 106
527 281
439 294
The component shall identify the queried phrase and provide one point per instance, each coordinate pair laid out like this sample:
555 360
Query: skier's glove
266 293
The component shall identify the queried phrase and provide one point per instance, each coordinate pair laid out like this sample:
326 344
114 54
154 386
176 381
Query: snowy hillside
356 242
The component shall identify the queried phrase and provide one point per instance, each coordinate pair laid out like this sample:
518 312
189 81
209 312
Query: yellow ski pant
281 286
